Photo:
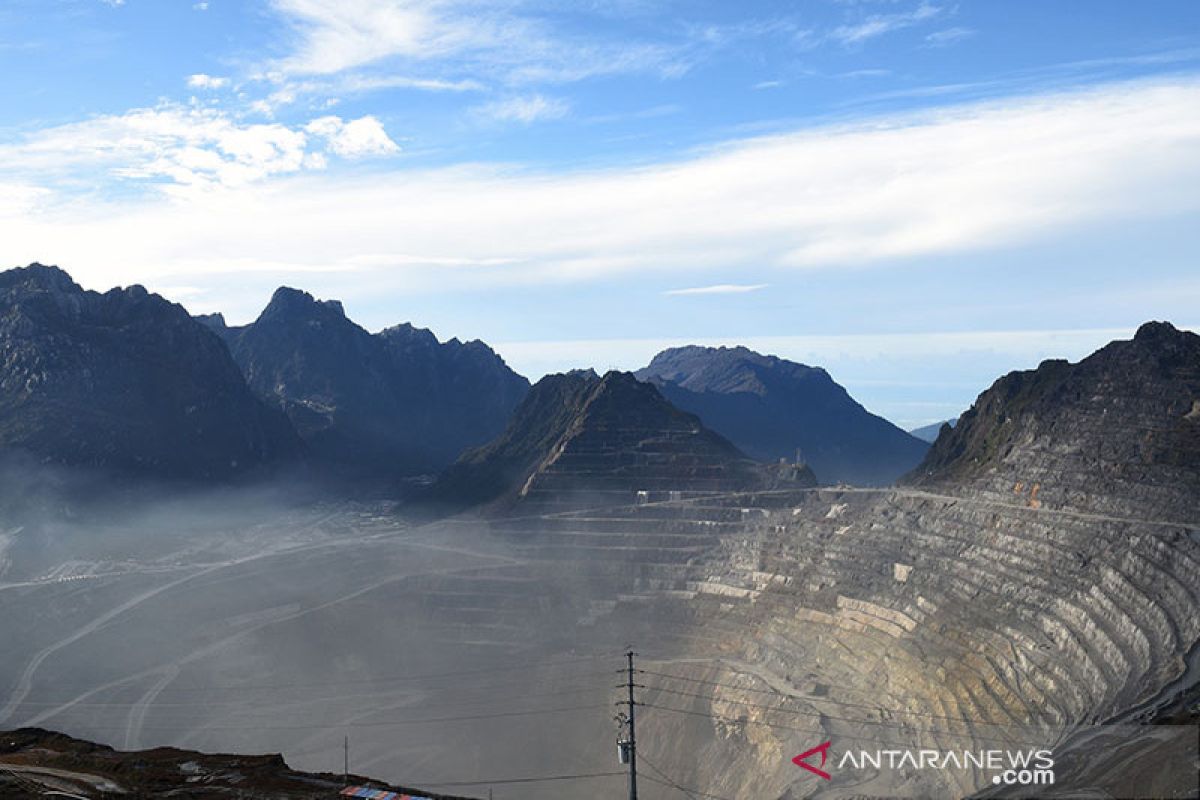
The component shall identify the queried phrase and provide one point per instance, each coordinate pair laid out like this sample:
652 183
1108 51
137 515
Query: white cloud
17 199
341 34
200 6
526 109
355 139
182 148
202 81
880 24
968 179
488 40
188 146
948 36
720 288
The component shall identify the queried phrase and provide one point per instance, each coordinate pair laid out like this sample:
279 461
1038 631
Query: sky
918 195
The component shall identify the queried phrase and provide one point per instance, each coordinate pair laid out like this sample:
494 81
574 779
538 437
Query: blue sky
917 195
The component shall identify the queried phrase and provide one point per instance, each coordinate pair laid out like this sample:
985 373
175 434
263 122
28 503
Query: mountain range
393 403
125 381
773 408
128 381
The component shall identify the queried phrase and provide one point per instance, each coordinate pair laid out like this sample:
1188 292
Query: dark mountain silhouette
124 381
1122 423
392 403
578 435
771 408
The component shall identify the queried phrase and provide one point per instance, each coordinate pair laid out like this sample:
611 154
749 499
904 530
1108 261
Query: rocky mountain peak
409 335
124 380
1156 332
581 438
726 369
1130 406
215 321
38 277
773 408
398 402
288 304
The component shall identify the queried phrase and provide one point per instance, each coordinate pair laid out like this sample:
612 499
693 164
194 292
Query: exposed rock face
579 435
770 408
124 380
950 614
396 402
1118 432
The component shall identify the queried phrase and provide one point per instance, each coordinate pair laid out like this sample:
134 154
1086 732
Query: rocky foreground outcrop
772 408
37 763
125 381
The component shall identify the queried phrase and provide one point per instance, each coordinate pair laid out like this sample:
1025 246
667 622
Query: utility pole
346 761
632 731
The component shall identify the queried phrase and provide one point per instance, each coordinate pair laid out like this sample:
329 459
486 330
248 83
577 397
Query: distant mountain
929 433
771 408
395 402
1122 423
127 381
577 435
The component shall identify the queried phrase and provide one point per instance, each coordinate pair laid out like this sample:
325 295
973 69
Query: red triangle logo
823 749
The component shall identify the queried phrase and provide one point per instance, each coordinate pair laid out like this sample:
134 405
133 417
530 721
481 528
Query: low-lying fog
258 621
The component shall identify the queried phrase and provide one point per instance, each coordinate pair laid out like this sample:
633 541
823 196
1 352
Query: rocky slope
396 402
771 408
1039 573
124 381
1118 431
35 763
578 435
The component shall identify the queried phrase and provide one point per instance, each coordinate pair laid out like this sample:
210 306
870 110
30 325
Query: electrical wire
783 726
542 779
338 726
819 699
430 676
329 698
692 793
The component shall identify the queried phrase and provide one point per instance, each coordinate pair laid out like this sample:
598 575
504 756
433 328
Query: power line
737 721
689 792
820 699
328 698
315 726
629 748
873 723
669 782
383 679
542 779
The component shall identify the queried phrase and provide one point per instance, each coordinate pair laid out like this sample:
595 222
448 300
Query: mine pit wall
896 617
